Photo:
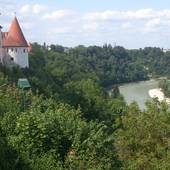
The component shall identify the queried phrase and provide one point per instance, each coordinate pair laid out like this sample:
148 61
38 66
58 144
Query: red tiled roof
14 37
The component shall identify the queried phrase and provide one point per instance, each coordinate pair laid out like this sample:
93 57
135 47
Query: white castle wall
1 54
19 56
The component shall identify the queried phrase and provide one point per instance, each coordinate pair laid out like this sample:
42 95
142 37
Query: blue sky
129 23
104 4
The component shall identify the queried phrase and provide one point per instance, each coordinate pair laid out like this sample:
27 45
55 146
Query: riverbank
109 88
138 91
157 93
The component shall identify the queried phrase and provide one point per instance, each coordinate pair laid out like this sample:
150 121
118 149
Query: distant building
166 50
13 46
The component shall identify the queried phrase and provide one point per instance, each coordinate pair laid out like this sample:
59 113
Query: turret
1 54
15 45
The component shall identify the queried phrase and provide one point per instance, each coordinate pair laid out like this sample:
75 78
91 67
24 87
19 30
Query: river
138 91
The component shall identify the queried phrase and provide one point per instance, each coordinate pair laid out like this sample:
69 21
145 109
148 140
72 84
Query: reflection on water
138 91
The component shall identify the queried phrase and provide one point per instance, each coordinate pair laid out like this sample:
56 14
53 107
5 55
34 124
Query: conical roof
15 37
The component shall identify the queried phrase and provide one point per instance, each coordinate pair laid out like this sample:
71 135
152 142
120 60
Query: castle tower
1 50
15 46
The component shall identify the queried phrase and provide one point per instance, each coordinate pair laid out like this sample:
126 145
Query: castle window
15 49
24 50
12 49
12 59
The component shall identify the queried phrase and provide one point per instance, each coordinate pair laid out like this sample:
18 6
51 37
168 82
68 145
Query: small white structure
166 50
13 46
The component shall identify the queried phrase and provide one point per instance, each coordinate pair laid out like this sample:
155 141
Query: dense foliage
68 120
51 69
143 137
165 86
48 134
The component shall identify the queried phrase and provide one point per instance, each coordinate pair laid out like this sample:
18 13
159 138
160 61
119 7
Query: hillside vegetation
68 121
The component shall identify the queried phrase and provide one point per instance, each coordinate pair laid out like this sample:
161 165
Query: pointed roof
14 37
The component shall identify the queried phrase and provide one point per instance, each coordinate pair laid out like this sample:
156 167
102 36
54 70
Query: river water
138 91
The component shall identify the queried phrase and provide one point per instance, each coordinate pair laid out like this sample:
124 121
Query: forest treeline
52 67
67 120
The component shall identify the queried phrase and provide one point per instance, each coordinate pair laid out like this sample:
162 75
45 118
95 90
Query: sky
129 23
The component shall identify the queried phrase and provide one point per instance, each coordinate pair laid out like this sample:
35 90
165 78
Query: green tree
142 139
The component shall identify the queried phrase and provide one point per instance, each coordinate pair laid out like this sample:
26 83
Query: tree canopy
67 120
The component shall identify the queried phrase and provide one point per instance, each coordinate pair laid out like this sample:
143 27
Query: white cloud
126 25
32 9
144 13
154 22
106 15
152 25
147 13
91 27
116 15
164 13
27 25
60 30
41 22
25 9
54 15
38 8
